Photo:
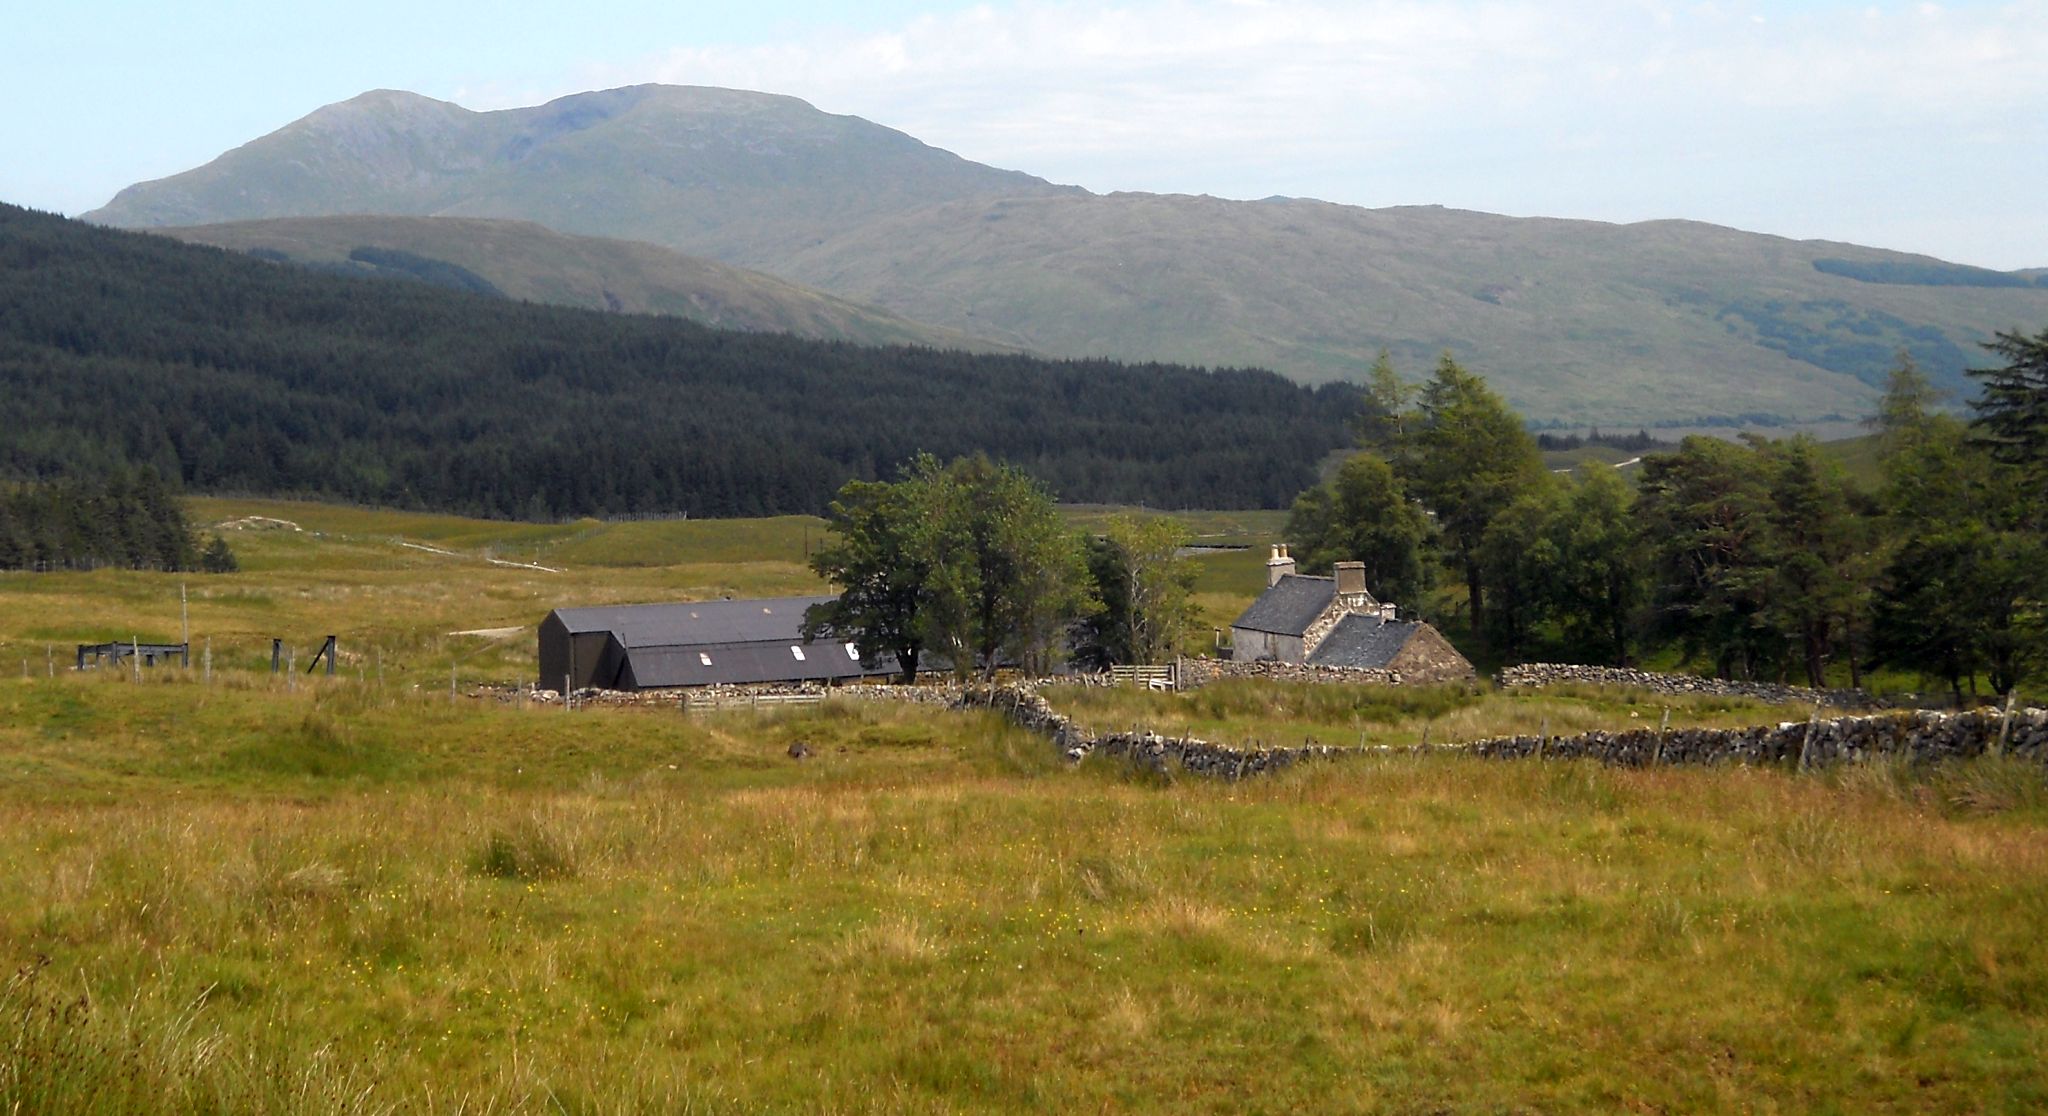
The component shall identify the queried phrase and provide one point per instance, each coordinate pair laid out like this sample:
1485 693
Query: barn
693 643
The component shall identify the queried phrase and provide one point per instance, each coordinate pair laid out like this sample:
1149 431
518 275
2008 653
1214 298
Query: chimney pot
1278 566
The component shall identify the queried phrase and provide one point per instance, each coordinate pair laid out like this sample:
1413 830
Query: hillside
1577 322
524 260
239 375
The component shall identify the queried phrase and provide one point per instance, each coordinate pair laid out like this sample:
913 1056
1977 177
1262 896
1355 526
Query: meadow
361 894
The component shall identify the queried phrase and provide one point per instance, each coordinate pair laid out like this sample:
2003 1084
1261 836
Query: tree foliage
125 520
1363 514
1145 590
2012 412
1467 457
1758 557
1961 586
227 373
969 561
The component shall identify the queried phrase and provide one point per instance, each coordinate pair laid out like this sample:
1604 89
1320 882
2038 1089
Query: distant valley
1576 322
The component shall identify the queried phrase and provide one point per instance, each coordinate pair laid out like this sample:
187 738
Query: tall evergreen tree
2012 412
1467 457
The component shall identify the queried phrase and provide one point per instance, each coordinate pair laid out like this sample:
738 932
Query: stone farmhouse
1336 622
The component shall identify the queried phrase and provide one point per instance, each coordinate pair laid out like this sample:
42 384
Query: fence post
2005 721
50 658
1806 745
206 661
135 655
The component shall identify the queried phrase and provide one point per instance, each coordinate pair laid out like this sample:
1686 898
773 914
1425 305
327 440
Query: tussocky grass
337 900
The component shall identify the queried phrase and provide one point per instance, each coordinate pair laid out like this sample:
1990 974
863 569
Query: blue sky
1913 126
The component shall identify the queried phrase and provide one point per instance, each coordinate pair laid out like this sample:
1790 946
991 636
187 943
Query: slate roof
1363 641
1290 606
660 667
694 622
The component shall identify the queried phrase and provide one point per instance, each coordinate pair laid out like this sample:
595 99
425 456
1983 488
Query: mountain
1575 321
234 374
715 172
523 260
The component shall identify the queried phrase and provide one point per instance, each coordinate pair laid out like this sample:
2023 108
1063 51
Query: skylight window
853 652
704 657
798 652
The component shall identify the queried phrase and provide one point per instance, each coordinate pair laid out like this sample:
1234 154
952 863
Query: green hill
524 260
1576 322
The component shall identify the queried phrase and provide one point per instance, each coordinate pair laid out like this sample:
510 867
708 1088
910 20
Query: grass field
360 896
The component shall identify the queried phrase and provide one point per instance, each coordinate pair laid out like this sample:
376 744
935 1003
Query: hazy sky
1914 126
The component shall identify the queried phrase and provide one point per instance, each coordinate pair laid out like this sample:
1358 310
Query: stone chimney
1350 579
1278 566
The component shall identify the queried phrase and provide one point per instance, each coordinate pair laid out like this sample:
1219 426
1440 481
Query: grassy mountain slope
716 172
528 261
1576 321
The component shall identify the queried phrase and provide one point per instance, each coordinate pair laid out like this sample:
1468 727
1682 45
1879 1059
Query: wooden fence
712 703
1150 677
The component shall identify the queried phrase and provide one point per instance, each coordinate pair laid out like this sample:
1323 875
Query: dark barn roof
1290 606
692 622
1363 641
706 643
706 664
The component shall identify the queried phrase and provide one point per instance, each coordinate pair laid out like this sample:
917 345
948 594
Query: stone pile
1532 675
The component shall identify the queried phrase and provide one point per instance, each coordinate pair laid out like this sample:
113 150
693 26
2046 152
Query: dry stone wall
1923 737
1532 675
1024 706
1201 672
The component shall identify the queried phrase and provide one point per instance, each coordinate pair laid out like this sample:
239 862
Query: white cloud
1615 109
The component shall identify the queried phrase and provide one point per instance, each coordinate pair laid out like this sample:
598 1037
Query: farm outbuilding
694 643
